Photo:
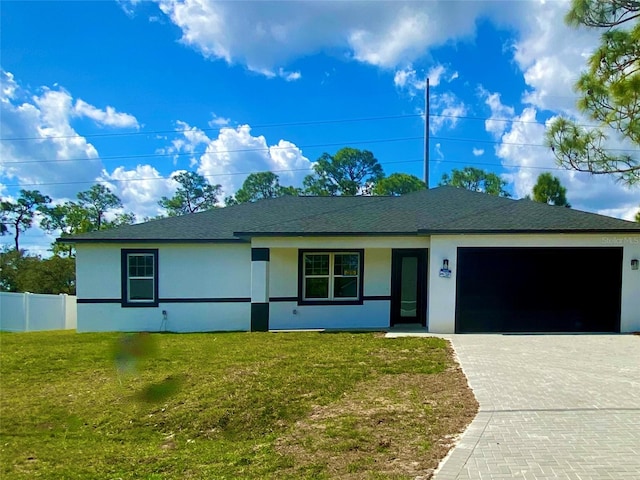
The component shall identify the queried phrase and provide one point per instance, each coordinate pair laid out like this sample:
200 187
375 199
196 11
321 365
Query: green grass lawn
228 405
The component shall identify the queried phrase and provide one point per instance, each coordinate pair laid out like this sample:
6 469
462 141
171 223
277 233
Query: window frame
331 300
125 254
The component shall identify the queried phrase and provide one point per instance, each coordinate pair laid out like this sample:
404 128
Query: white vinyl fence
30 312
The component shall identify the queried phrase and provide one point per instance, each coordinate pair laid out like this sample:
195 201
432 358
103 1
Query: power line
505 120
230 174
294 147
528 167
498 142
241 150
283 124
219 129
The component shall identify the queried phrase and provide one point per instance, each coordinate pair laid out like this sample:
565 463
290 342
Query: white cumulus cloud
523 153
265 36
446 110
41 150
8 86
139 188
228 158
407 78
500 116
39 144
289 76
435 74
52 151
190 139
551 54
217 121
108 117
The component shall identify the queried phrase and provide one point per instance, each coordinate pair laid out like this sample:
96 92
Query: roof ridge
479 208
325 212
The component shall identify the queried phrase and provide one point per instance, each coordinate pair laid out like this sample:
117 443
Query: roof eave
525 231
149 240
325 234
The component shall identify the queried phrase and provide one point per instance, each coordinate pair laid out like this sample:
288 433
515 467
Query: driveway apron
551 406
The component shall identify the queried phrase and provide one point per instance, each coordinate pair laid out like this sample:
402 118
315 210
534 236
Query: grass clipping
398 426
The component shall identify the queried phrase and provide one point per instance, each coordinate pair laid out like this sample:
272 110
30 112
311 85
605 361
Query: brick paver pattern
551 407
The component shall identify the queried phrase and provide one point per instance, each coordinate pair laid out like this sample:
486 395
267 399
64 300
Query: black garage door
538 290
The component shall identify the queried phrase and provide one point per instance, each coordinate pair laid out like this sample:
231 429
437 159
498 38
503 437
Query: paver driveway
551 406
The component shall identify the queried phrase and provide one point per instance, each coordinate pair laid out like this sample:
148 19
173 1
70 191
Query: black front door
408 286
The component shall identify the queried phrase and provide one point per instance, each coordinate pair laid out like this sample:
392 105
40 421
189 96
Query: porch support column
259 289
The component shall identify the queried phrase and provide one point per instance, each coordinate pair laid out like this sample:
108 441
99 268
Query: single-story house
449 259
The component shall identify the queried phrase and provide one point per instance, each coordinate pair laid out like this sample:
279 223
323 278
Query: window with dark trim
140 277
330 276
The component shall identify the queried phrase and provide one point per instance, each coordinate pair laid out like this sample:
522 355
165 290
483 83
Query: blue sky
128 93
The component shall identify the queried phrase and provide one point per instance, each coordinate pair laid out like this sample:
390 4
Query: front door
408 286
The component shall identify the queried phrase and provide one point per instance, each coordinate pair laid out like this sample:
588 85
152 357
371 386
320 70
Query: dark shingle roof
439 210
480 213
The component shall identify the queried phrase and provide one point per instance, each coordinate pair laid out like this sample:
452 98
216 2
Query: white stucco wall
370 315
225 271
442 291
283 282
181 317
283 272
630 307
377 272
98 271
186 271
200 271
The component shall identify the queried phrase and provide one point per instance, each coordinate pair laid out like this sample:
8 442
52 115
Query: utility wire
497 142
240 150
284 124
219 129
293 147
231 174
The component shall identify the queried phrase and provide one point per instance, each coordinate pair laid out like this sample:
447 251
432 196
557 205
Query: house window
140 278
328 276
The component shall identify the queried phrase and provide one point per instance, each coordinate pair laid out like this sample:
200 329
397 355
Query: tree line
24 272
348 172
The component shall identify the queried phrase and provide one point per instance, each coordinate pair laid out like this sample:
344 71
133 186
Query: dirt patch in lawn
396 426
